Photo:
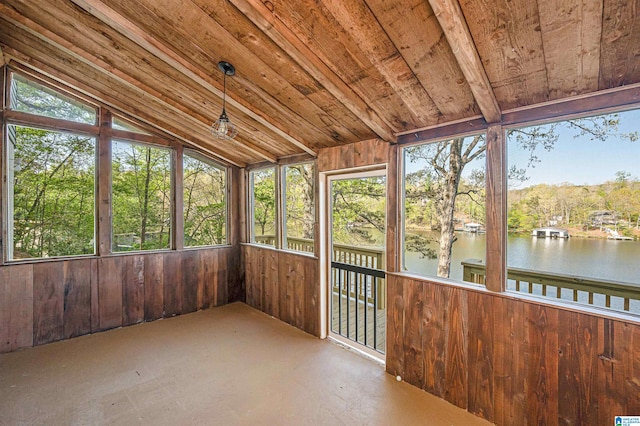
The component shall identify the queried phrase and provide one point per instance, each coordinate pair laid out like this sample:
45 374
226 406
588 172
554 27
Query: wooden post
3 196
177 234
103 221
496 255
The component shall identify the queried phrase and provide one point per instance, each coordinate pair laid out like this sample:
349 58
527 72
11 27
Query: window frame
251 206
283 204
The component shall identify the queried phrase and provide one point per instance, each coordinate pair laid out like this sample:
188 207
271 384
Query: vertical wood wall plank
173 285
457 340
16 307
393 191
413 295
110 292
48 302
578 336
542 364
153 287
189 280
434 338
77 297
481 356
133 289
312 296
395 326
95 305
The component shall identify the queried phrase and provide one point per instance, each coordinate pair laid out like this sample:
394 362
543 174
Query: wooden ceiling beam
457 32
160 50
280 34
134 85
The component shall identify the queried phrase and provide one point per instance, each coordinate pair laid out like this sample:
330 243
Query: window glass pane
120 124
444 206
263 206
574 208
51 178
141 197
299 207
205 203
33 98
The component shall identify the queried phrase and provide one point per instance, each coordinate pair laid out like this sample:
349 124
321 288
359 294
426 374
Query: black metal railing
356 311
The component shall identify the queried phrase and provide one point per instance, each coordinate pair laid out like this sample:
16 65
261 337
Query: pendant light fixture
223 128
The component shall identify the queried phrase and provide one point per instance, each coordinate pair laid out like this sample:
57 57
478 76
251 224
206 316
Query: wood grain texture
78 278
153 287
16 307
61 299
496 209
133 277
285 285
48 302
619 63
511 361
110 292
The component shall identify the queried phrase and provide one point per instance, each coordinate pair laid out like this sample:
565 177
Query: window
574 210
120 124
141 197
444 206
299 207
51 181
33 98
263 206
205 202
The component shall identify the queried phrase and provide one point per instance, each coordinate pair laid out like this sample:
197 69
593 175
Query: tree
443 164
264 200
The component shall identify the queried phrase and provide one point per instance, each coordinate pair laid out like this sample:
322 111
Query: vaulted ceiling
319 73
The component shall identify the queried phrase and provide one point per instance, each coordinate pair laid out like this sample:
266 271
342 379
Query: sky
581 160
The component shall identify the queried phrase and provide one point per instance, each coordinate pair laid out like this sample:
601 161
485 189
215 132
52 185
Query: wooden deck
349 316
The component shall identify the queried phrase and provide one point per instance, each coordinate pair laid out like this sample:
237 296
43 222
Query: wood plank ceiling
319 73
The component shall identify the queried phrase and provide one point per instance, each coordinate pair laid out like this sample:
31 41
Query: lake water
593 258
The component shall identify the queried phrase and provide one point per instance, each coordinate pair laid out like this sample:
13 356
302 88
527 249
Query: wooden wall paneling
16 307
153 286
335 158
541 358
312 296
190 279
458 323
95 297
395 326
577 348
78 279
271 291
374 151
434 338
173 284
206 281
481 356
133 283
496 209
223 280
413 295
110 292
510 364
235 286
249 273
48 302
618 369
289 277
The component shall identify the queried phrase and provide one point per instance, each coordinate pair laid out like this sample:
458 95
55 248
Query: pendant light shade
223 128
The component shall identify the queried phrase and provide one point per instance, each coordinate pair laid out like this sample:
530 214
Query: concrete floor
225 366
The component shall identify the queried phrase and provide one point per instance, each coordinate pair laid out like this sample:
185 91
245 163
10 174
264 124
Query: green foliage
141 190
299 201
53 180
358 209
205 204
264 201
